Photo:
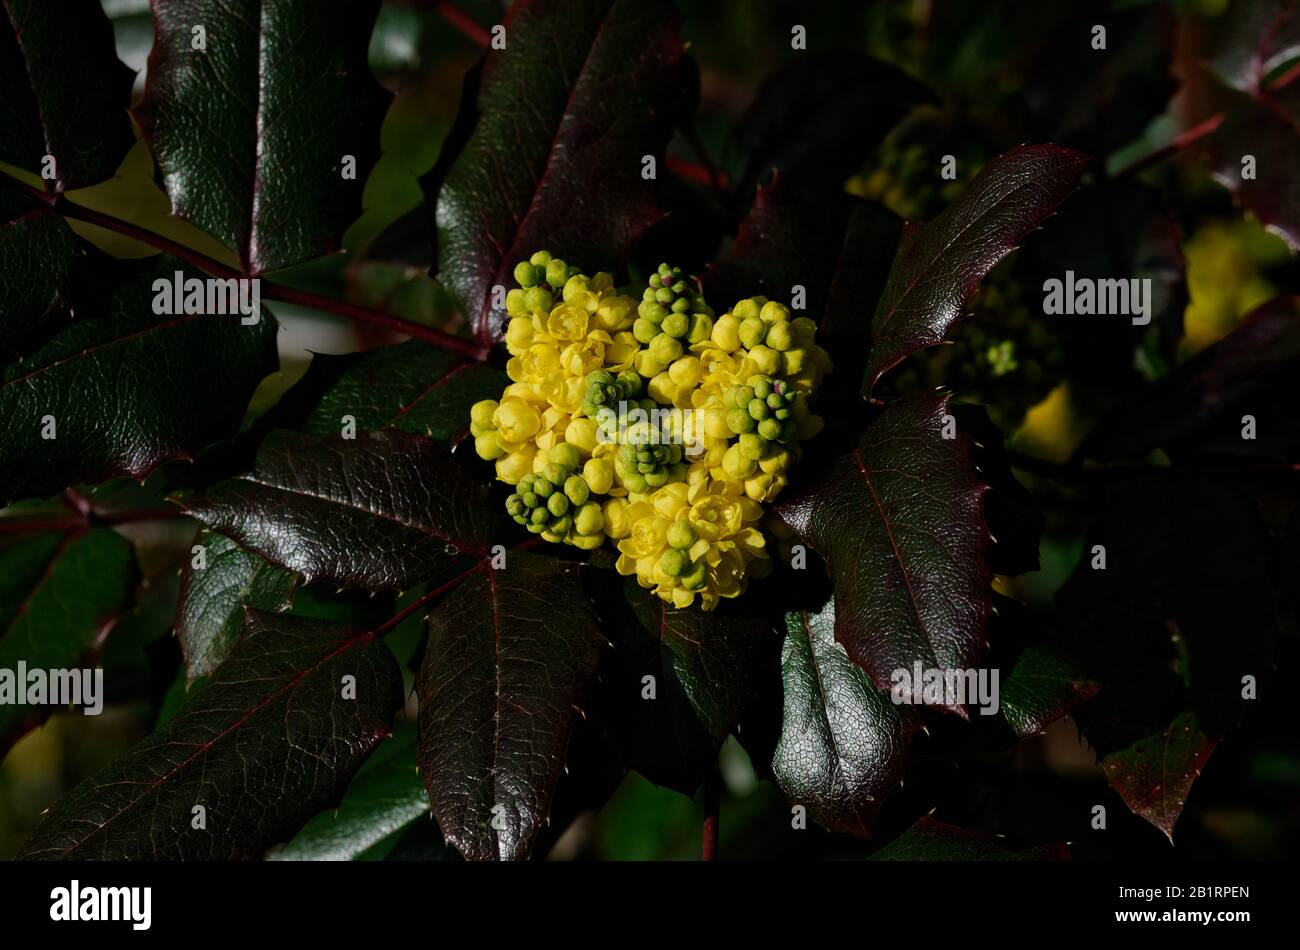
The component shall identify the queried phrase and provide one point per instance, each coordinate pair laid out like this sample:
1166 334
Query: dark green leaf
900 523
66 94
553 131
382 803
1044 685
386 510
262 746
930 840
412 386
704 669
59 594
940 264
210 613
37 254
1255 38
125 388
843 741
251 135
511 655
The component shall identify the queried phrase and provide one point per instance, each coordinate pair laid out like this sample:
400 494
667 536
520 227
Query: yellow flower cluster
652 423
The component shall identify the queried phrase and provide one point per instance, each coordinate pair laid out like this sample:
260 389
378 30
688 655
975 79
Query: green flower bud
740 421
769 429
782 413
575 488
676 324
644 330
535 298
558 504
758 409
775 401
736 464
515 505
540 516
540 259
695 577
664 349
535 527
652 310
629 384
762 386
752 332
681 305
525 274
701 328
543 488
673 562
681 534
634 482
589 519
531 499
780 336
562 524
564 455
557 272
752 446
655 479
554 475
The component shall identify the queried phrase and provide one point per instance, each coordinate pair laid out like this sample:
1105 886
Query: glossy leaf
66 93
843 744
940 264
412 386
37 256
278 701
1044 685
511 655
213 599
552 135
1255 38
385 510
59 594
931 840
125 388
382 803
816 117
900 523
1155 774
704 668
251 135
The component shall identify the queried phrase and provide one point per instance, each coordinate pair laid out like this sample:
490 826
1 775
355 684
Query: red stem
84 518
463 22
1185 139
273 291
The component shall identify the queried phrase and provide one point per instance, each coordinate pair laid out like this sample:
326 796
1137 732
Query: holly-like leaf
66 93
283 702
931 840
940 264
1201 402
843 744
815 118
512 652
59 593
1155 774
386 510
555 128
122 389
37 255
412 386
1255 38
253 133
215 596
900 523
380 806
704 667
1044 685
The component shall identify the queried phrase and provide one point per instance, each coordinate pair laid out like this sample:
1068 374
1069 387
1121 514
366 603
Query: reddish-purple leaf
252 134
386 510
511 655
940 264
554 136
271 739
1044 685
1155 774
901 524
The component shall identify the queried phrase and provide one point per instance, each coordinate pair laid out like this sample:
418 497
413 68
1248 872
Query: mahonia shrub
676 438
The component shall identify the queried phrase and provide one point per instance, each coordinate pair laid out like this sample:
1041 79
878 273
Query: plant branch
712 808
85 517
271 289
1183 140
